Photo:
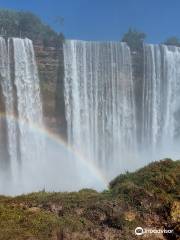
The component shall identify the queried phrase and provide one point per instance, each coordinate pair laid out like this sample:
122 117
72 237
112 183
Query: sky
105 19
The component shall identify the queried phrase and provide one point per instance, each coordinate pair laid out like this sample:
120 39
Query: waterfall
161 91
29 106
100 103
101 112
99 99
7 90
153 96
23 107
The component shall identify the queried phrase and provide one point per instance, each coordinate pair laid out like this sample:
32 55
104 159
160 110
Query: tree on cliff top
26 24
173 41
134 39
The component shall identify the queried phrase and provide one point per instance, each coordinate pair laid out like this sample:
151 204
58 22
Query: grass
43 215
158 180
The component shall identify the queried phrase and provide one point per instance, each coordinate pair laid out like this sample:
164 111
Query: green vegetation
147 196
157 177
25 24
173 41
134 39
159 181
17 223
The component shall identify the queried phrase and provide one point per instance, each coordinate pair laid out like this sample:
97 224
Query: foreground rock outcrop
148 198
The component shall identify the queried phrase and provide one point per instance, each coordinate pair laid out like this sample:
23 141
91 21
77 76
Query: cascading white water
100 112
161 91
99 99
23 107
36 159
152 97
29 106
7 89
100 103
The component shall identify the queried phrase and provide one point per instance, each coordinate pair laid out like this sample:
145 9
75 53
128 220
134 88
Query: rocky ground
148 198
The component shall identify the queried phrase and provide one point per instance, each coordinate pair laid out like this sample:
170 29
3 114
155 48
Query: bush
134 39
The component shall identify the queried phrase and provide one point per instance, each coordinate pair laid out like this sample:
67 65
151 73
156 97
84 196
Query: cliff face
50 67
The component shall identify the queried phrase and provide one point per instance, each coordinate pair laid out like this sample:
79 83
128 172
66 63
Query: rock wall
51 71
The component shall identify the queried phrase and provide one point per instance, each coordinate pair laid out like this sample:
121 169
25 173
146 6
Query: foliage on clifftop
134 39
25 24
173 41
148 197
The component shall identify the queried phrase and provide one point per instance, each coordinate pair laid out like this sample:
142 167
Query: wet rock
129 216
57 209
175 211
34 209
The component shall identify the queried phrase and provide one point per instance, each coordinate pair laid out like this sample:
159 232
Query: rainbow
59 141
